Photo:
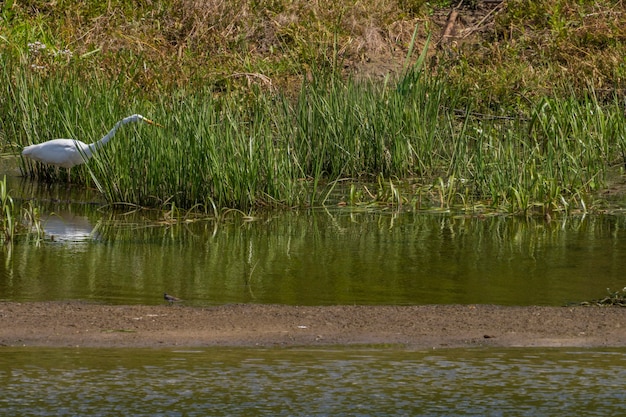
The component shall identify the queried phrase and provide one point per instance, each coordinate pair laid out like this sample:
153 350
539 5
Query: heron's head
138 117
150 122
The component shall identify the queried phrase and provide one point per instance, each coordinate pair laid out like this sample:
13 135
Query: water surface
313 257
312 382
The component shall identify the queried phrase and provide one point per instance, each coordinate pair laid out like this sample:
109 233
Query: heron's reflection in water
65 226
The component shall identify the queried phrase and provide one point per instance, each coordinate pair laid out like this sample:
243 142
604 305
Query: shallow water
312 382
317 257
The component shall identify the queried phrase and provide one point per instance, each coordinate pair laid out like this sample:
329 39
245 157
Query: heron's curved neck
93 147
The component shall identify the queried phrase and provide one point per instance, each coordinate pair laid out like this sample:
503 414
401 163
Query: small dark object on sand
170 298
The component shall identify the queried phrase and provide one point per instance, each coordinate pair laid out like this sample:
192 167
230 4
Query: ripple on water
220 381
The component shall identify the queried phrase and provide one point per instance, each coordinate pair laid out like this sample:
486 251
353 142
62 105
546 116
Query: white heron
67 153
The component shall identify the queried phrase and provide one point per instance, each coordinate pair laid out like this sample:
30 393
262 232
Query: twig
250 75
484 116
477 25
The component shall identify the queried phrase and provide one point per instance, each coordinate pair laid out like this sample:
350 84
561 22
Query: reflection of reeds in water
18 221
309 257
267 150
7 228
297 257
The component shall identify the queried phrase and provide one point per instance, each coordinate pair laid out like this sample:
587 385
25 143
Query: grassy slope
518 47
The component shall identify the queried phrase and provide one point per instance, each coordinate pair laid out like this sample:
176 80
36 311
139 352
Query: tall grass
258 149
209 154
7 215
23 222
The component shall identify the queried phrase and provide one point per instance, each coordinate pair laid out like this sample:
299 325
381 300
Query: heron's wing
61 152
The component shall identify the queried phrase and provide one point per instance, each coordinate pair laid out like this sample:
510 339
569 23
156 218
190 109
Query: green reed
7 220
12 226
262 149
209 153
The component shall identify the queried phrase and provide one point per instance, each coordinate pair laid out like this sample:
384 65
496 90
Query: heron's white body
67 153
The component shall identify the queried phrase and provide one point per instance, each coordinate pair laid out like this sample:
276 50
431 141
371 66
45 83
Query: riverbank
76 324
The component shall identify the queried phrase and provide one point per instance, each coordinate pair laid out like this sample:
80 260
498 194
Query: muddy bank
59 324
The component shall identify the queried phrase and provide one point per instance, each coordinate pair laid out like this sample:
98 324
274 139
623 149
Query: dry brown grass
537 48
496 49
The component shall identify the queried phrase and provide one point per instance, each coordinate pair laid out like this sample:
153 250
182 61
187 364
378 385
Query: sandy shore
60 324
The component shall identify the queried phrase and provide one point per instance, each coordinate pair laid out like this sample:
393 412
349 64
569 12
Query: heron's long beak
150 122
